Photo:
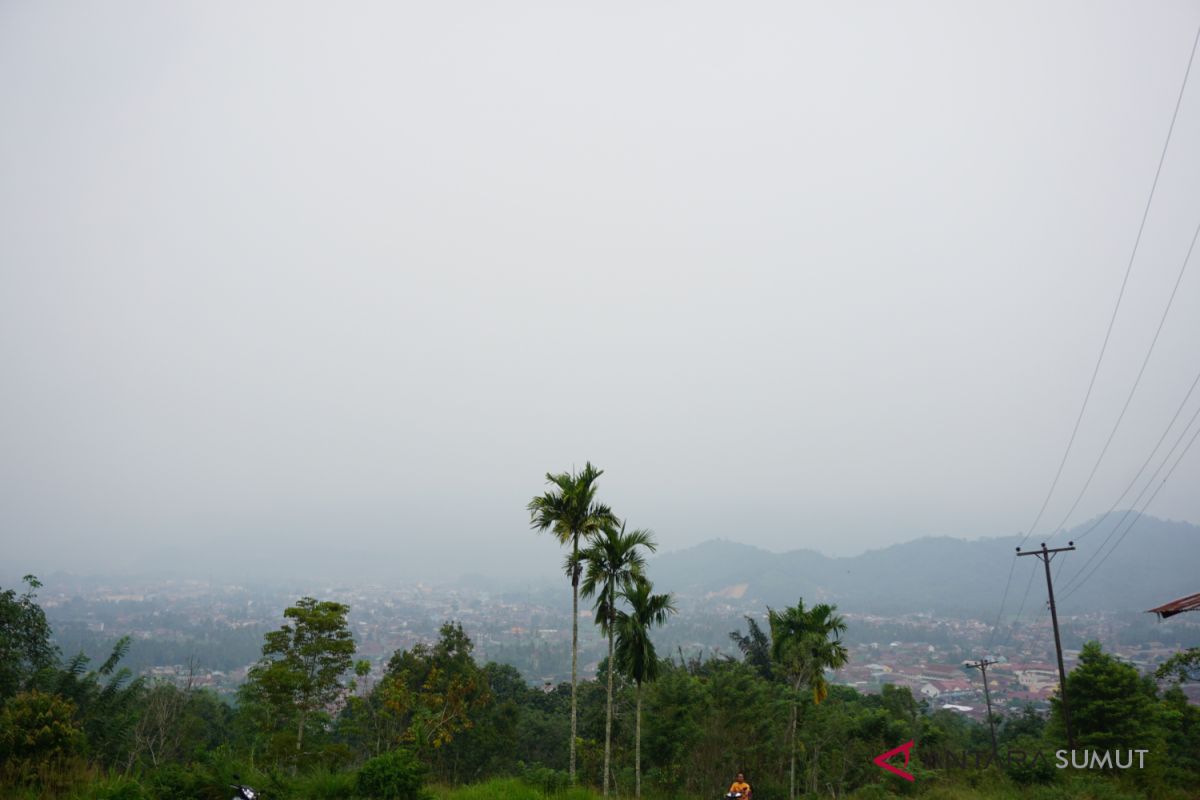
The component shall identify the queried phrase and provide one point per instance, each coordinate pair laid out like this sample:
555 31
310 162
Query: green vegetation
614 566
1181 667
635 653
311 724
300 674
571 513
25 646
805 643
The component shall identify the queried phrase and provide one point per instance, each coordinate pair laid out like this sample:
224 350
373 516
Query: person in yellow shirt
740 785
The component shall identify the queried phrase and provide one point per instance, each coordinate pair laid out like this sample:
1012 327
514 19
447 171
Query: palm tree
805 643
635 653
614 565
571 512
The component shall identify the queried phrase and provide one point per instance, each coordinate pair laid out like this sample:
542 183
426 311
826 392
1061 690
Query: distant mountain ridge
1158 561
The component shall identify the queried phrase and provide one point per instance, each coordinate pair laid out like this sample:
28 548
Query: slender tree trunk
792 751
792 736
637 743
813 766
299 742
574 652
608 720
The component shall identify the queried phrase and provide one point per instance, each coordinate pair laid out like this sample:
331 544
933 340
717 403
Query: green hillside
949 576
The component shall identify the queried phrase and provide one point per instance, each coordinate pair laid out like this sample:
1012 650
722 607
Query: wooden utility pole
1046 555
982 665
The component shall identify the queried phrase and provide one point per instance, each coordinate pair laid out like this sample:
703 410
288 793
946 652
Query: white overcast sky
312 280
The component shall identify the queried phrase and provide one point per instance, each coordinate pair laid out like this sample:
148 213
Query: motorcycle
243 792
735 796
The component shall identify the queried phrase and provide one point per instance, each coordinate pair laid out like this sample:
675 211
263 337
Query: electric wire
1124 282
1021 608
1007 584
1104 517
1140 512
1136 500
1133 389
1112 320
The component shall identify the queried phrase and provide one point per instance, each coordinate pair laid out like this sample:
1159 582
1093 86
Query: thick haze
336 284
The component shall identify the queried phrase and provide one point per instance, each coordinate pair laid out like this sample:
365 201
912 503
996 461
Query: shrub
1031 772
550 781
176 781
326 785
397 775
115 788
872 791
39 727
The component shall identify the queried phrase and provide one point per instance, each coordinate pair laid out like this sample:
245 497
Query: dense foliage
436 717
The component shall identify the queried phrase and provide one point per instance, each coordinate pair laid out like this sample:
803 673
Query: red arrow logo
881 760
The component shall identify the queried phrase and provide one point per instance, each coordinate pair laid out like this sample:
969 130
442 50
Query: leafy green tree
171 723
489 745
902 707
740 727
1183 667
676 712
805 643
615 564
1113 707
25 638
635 654
40 727
302 666
1181 721
570 511
158 734
433 693
106 701
541 736
755 646
1028 723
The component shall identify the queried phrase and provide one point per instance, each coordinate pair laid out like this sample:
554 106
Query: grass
1068 787
320 785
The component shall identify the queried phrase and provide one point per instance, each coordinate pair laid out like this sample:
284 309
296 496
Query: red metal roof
1189 603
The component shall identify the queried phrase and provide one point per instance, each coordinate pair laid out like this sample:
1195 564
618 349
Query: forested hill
1156 562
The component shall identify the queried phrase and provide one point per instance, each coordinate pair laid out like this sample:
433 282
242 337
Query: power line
1020 608
1136 500
1112 320
1058 572
1124 282
1133 389
1139 514
1004 599
1145 463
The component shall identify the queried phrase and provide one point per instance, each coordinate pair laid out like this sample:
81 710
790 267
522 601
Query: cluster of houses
956 687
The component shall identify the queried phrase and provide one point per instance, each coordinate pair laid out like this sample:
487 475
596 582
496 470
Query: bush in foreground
397 775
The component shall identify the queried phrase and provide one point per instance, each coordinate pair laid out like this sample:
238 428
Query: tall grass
510 789
209 782
1068 787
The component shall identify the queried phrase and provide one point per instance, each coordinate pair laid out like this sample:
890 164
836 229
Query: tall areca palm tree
805 643
614 565
635 653
570 511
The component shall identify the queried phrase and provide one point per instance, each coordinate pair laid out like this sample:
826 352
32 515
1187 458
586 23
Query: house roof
1189 603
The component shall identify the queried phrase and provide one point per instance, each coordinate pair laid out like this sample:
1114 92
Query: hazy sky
343 280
